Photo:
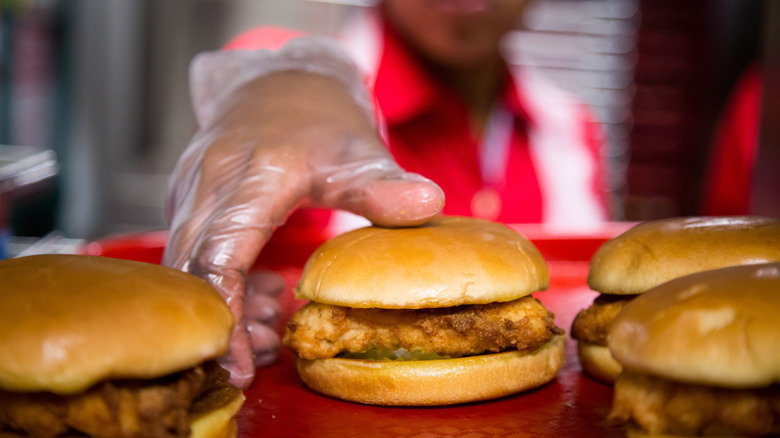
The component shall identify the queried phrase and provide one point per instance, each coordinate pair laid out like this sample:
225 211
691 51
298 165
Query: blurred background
95 92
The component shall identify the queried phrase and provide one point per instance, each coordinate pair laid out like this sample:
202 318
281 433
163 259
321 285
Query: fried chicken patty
161 408
660 406
592 324
319 331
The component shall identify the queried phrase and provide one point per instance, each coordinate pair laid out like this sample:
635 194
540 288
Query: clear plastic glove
262 313
274 143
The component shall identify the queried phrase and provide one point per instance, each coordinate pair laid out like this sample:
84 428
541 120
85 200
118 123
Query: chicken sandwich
101 347
431 315
655 252
701 356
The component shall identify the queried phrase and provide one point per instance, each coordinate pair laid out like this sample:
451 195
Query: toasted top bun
69 321
716 328
449 261
657 251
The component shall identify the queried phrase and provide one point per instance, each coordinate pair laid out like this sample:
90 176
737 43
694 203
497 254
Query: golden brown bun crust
433 382
447 262
716 328
68 321
654 252
597 362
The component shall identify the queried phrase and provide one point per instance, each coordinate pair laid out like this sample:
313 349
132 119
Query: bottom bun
219 422
598 363
433 382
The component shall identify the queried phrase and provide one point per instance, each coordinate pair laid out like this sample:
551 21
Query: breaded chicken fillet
592 324
320 331
658 406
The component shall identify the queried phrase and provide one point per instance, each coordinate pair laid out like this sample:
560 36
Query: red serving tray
278 404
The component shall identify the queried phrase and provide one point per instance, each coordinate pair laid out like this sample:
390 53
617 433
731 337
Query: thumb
405 201
389 198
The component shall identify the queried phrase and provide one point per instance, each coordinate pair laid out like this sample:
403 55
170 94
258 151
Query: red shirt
429 132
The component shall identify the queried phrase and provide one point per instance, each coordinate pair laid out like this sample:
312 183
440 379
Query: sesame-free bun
654 252
434 382
447 262
597 362
69 321
717 328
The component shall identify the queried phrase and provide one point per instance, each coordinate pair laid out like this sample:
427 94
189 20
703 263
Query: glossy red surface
279 405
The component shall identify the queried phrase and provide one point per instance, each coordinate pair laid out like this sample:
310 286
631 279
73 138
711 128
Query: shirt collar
405 89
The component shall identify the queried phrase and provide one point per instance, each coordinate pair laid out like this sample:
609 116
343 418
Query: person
293 125
728 181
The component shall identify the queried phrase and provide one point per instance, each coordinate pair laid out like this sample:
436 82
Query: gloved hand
273 143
